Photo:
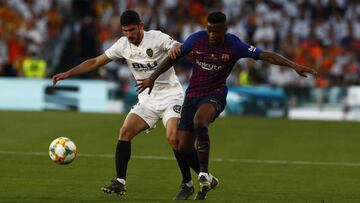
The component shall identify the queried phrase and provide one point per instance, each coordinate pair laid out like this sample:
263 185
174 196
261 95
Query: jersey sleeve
166 41
115 51
187 46
244 50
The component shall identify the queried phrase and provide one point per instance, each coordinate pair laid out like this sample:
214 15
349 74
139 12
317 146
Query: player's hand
60 76
143 84
302 70
175 51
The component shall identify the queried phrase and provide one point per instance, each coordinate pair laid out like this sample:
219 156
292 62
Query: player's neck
218 44
138 42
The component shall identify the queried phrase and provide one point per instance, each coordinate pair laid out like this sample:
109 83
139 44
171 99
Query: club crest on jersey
149 52
177 108
225 57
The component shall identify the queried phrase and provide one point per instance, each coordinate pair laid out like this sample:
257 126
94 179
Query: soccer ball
62 150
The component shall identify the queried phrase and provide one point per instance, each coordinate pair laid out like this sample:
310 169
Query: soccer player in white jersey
144 51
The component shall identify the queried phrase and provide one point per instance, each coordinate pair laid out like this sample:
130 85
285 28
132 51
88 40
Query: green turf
34 178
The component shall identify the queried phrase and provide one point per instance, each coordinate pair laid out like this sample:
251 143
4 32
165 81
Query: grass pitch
255 159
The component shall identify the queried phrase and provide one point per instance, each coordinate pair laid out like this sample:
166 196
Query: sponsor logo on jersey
208 66
144 67
177 108
149 52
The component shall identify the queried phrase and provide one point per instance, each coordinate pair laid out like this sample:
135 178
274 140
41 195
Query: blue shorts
192 104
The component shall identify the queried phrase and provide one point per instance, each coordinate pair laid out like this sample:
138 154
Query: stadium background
257 159
40 38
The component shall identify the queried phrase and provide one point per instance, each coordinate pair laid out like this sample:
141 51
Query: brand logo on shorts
177 108
149 52
213 101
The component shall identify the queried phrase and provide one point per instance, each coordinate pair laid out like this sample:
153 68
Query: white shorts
160 105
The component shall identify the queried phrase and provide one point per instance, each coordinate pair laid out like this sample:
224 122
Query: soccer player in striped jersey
214 54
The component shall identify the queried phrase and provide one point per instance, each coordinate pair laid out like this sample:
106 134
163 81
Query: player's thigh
188 111
147 113
132 126
209 109
171 117
186 140
172 109
140 118
205 114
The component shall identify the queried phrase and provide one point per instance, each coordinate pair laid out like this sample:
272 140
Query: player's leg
210 107
187 149
188 157
186 186
134 123
171 117
185 134
132 126
204 115
171 128
171 120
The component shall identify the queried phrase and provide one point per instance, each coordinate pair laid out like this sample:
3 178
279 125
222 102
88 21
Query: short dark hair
216 17
130 17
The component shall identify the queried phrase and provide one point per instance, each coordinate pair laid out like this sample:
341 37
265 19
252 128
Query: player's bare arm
175 51
84 67
277 59
149 82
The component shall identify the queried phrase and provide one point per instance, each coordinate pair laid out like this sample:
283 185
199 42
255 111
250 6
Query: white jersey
143 60
167 96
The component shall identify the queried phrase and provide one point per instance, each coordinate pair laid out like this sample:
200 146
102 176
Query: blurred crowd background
41 37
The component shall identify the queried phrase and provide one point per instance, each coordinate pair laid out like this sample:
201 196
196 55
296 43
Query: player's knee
172 139
173 142
126 134
200 122
184 147
181 147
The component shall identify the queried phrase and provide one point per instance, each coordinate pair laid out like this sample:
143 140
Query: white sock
204 174
189 184
122 181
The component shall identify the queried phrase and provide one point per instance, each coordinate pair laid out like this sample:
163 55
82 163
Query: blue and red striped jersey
212 65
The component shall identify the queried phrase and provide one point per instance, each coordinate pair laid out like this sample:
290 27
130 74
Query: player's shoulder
196 37
234 41
155 33
232 38
199 34
122 41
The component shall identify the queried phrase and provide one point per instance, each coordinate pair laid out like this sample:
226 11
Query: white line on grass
250 161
